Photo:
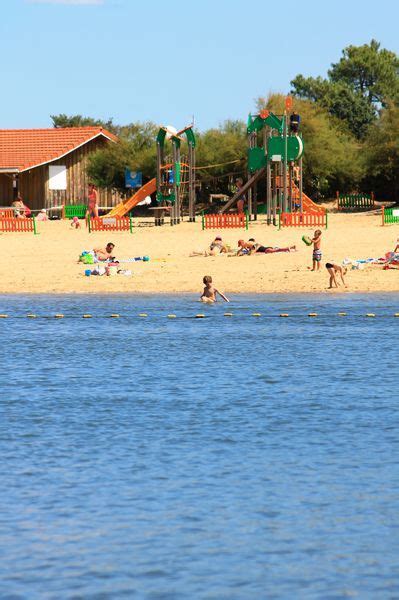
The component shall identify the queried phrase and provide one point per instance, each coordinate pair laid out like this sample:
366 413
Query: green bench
74 210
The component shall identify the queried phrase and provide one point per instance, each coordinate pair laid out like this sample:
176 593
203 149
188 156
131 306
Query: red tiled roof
22 149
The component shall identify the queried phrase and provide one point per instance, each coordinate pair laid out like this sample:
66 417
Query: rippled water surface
233 457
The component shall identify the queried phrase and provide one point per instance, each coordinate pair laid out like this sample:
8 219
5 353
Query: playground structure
275 155
175 179
123 208
355 202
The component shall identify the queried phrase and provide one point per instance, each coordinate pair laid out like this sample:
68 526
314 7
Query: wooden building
48 166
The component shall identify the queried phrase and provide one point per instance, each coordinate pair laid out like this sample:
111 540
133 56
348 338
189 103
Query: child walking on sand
316 241
209 293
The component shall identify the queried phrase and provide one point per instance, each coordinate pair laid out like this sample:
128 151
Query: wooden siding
33 185
5 190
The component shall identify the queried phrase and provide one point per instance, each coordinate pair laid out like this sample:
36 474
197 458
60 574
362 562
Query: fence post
246 220
383 215
130 224
279 220
326 219
373 199
203 220
88 223
34 225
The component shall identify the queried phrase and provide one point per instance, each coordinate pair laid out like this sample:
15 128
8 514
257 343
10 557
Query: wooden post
383 215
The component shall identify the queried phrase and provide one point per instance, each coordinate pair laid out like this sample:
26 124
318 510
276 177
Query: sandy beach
47 263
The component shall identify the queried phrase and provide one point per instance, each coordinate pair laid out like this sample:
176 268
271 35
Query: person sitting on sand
334 270
216 247
209 293
42 215
20 210
104 253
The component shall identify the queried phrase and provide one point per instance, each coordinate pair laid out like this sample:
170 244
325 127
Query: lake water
227 457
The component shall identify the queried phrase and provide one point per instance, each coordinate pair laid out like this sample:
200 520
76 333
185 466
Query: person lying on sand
216 247
252 247
104 253
334 270
209 293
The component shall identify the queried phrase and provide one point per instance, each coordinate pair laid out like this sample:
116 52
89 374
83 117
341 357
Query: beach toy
306 239
87 272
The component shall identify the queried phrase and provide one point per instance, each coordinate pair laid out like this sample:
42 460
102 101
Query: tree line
349 122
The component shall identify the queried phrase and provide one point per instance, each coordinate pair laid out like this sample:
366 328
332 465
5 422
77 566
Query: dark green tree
365 78
63 120
381 156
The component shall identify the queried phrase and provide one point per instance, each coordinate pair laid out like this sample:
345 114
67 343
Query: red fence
302 220
225 221
15 225
6 213
110 224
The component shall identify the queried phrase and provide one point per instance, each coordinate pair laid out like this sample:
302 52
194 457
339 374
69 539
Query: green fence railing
390 216
74 210
355 201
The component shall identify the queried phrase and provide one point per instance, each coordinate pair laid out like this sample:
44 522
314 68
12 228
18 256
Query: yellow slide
126 206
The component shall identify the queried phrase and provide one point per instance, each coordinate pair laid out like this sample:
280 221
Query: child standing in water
209 293
316 241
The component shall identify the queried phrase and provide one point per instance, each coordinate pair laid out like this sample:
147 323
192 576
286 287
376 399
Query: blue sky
165 61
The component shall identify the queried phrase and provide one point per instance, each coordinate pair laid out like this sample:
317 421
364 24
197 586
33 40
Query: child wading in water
209 293
316 241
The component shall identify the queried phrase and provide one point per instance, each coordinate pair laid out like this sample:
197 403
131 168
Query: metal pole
300 186
285 199
290 169
268 193
275 193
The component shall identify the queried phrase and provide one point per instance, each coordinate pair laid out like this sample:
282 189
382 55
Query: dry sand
47 263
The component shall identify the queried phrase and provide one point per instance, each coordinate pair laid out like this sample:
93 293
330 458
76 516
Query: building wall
5 190
34 184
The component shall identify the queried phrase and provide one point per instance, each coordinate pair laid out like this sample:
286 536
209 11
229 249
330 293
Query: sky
167 61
